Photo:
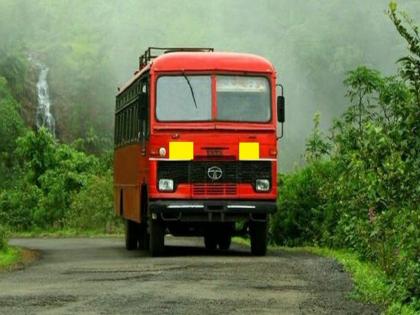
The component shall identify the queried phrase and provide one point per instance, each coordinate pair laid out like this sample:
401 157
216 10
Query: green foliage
40 176
316 146
298 218
11 127
366 195
92 207
53 175
3 237
37 152
9 256
19 204
13 68
410 65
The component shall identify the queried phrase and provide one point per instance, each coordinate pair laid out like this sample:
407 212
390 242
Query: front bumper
210 210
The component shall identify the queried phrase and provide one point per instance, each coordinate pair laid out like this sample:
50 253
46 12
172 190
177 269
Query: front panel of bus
213 136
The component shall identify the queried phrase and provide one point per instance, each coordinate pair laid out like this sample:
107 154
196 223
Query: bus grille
196 173
214 189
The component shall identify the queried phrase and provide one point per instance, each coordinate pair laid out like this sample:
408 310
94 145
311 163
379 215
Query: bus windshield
189 98
183 98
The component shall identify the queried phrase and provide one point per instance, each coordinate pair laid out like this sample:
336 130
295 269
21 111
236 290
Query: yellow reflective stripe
181 150
249 151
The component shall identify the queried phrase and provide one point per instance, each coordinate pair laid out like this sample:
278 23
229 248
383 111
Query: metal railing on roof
153 52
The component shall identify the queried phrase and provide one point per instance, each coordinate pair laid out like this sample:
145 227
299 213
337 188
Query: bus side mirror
280 108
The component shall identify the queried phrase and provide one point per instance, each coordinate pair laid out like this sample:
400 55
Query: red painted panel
132 169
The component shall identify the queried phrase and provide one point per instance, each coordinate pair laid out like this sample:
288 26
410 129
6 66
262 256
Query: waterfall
44 118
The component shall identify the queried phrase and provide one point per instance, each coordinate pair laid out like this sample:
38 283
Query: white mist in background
44 118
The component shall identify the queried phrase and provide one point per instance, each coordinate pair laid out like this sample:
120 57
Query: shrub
18 206
51 175
92 207
3 237
11 127
298 218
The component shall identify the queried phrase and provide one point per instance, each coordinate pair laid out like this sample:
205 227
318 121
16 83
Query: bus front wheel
258 234
157 238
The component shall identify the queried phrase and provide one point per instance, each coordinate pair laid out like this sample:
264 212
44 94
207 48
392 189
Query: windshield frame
213 77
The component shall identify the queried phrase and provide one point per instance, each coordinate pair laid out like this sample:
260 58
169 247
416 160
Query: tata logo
214 173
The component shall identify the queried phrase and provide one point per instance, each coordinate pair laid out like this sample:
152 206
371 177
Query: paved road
97 276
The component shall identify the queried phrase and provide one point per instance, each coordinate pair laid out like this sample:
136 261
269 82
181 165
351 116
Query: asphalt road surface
98 276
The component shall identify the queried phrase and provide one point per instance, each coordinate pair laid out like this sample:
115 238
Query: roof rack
152 53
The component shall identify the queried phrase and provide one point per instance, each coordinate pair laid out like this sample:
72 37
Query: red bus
196 148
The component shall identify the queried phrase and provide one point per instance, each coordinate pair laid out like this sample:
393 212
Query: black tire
210 241
131 235
225 240
157 238
143 237
258 234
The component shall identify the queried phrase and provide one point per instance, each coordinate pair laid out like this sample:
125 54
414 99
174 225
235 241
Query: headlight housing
166 184
262 185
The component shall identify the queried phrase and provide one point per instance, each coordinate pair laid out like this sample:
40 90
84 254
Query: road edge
371 284
16 258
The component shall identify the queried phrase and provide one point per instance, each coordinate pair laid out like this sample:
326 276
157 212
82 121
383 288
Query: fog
93 46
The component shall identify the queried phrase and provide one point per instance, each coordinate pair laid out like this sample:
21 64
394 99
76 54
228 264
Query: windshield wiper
191 88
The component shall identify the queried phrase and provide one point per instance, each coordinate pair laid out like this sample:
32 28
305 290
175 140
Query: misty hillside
91 47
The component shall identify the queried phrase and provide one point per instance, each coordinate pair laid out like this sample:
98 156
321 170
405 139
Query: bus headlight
262 185
166 184
162 152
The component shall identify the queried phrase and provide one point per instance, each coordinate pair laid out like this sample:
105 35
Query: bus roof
211 61
204 61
